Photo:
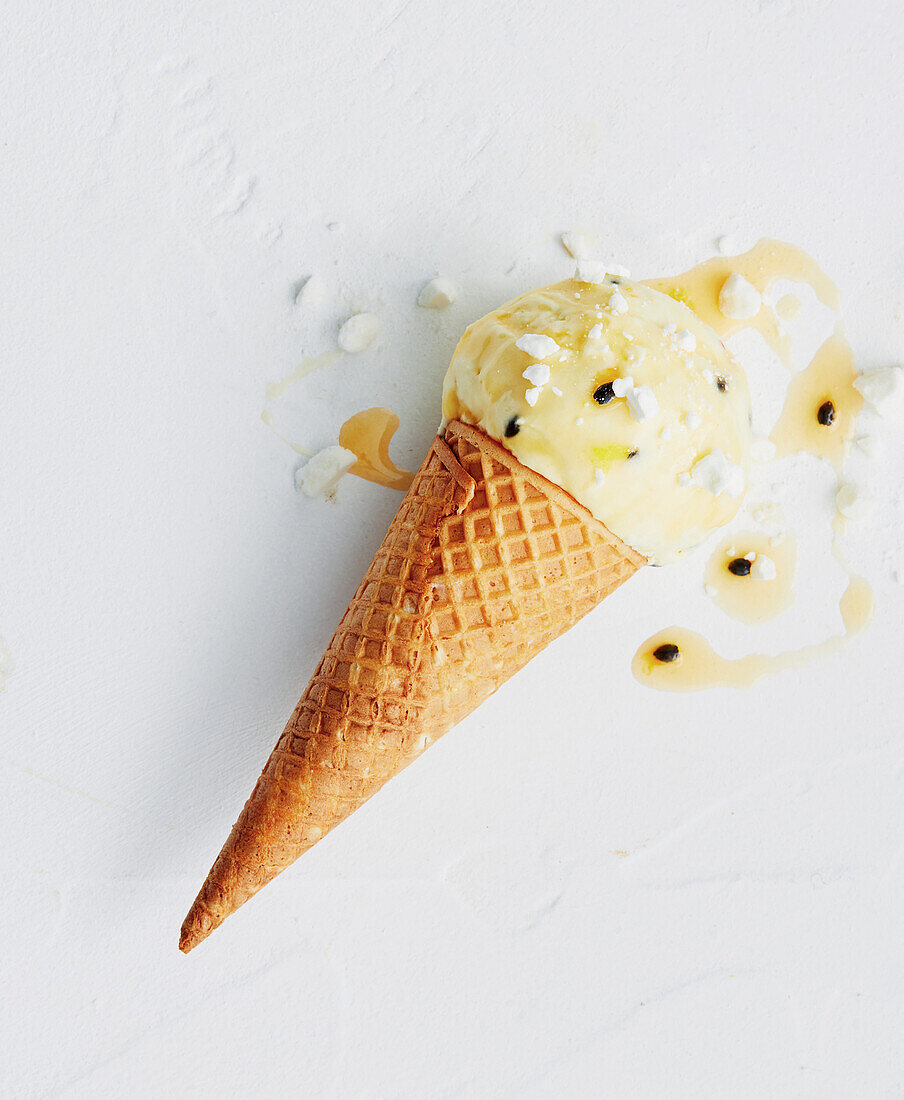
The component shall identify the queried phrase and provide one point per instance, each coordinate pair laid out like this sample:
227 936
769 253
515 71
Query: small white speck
642 403
707 375
590 271
537 374
666 434
311 294
598 476
763 568
618 303
684 480
717 474
596 332
739 299
358 332
669 330
686 340
726 244
621 386
439 293
536 345
531 396
692 421
579 421
710 590
557 391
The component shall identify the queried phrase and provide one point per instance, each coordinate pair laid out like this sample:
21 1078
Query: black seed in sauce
722 384
632 454
603 394
740 567
513 427
667 652
825 414
617 282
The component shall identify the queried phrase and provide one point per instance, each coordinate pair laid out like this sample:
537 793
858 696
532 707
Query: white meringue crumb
531 396
707 375
618 303
322 473
577 244
739 299
439 293
642 403
596 332
312 293
621 386
684 479
358 332
598 476
751 556
763 568
669 330
726 244
590 271
762 450
882 388
536 345
686 340
537 374
692 421
557 391
619 271
666 434
579 421
710 590
715 473
852 501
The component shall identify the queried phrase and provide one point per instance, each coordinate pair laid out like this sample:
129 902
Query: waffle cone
485 563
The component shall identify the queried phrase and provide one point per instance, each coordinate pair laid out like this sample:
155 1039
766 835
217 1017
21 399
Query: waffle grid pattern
485 563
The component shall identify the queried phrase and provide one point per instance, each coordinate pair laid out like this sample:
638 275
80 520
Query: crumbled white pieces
717 475
598 476
726 244
621 386
322 473
762 450
556 391
852 501
618 303
684 479
579 421
642 403
666 434
537 374
532 395
739 299
358 332
439 293
596 332
311 294
590 271
577 244
619 271
882 388
685 340
762 568
692 420
536 345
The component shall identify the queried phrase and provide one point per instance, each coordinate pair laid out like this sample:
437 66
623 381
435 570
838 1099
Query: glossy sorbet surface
619 394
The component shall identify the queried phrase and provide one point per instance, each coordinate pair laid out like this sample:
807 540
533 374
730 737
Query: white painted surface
587 889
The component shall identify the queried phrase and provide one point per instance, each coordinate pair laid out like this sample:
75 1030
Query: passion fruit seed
722 384
513 427
740 567
826 413
632 454
667 652
603 394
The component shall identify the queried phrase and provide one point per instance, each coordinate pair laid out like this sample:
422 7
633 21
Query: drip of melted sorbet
788 307
821 405
765 263
746 595
368 435
698 666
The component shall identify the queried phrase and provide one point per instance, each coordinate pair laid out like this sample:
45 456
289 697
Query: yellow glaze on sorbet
645 450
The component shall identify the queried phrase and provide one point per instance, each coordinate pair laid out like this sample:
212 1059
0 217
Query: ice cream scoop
619 394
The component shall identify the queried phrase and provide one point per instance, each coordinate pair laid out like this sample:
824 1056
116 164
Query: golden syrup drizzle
368 434
788 307
278 389
267 418
750 599
829 377
763 265
699 666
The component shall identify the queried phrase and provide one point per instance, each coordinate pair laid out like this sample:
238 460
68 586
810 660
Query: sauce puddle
368 434
765 589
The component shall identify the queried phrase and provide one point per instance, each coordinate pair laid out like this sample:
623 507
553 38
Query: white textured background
588 889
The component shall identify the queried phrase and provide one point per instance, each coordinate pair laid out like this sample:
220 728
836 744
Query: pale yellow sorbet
645 444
